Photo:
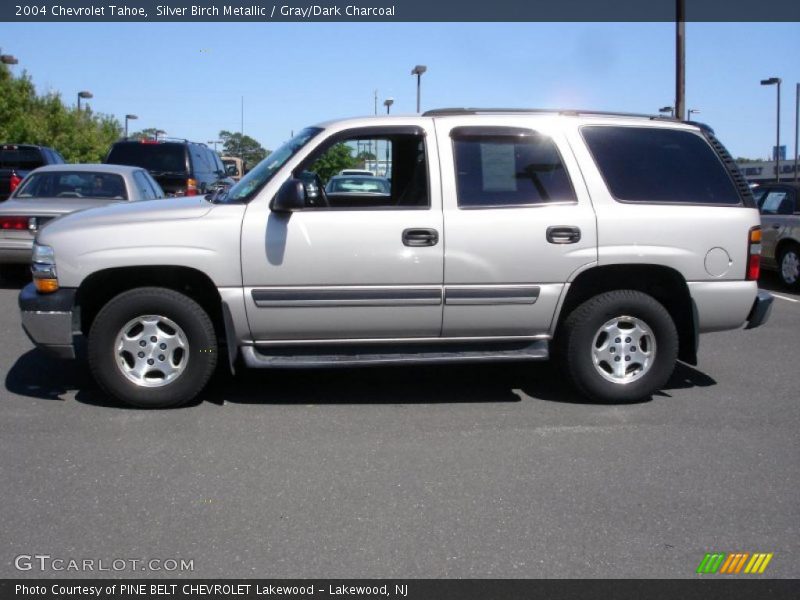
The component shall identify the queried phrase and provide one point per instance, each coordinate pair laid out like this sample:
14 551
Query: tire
152 348
618 346
789 267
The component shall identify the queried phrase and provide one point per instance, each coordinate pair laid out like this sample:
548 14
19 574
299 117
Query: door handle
563 234
420 237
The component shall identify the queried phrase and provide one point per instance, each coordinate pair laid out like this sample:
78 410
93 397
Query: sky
189 78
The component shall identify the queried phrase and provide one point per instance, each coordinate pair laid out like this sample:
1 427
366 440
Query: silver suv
609 241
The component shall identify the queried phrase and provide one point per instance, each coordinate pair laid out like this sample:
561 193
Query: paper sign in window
498 165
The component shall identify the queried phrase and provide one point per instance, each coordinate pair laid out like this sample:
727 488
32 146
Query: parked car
357 190
780 218
608 241
234 167
181 168
55 190
17 160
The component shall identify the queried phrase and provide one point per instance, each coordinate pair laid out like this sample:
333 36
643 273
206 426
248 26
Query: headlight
43 269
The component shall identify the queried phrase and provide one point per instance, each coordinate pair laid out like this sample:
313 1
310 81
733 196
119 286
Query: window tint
20 157
145 191
200 159
648 164
396 161
508 168
75 184
156 157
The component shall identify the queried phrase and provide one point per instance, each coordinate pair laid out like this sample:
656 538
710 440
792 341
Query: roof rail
161 138
442 112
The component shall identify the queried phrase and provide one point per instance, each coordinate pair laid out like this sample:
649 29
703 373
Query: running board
396 354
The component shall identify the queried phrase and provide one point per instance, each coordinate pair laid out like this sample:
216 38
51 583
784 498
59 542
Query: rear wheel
789 267
152 348
619 346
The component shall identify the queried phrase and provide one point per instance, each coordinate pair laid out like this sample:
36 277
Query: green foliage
337 157
244 147
28 118
144 134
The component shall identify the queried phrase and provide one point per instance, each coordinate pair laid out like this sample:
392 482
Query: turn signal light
46 286
754 254
14 223
191 187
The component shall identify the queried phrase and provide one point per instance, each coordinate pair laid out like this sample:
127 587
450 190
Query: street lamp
388 103
128 118
215 142
776 81
693 111
667 109
159 132
418 71
83 94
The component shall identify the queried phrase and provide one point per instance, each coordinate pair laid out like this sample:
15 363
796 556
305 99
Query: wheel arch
663 283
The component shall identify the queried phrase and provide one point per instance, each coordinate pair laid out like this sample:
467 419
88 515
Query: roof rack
442 112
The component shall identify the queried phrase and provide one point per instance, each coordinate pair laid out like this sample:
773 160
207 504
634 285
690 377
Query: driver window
375 172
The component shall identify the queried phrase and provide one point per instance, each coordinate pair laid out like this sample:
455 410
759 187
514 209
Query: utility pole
680 60
241 134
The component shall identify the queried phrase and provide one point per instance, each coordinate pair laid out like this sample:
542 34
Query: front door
364 259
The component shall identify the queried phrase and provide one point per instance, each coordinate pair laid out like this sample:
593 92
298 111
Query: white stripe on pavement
785 297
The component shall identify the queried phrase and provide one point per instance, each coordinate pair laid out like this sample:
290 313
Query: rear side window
159 158
648 164
500 167
20 157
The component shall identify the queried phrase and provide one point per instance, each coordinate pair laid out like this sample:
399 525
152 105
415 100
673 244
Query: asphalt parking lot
480 471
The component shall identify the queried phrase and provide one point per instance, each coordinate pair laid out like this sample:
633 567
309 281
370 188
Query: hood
161 211
52 206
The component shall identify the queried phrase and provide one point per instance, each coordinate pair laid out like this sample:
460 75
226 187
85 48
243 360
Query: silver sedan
55 190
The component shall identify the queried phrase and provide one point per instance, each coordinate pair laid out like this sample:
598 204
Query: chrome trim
425 340
48 328
490 295
364 296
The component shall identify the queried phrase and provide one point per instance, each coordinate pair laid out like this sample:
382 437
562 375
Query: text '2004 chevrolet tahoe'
610 241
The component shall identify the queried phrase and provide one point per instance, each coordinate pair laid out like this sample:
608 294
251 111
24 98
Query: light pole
776 81
159 132
418 71
388 104
693 111
796 125
667 109
84 94
215 142
128 118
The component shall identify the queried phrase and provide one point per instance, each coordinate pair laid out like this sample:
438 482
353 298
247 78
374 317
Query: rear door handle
563 234
420 237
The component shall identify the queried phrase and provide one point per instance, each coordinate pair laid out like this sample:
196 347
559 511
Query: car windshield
156 157
256 179
73 184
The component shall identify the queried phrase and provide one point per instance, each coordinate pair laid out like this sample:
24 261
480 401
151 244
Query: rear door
518 224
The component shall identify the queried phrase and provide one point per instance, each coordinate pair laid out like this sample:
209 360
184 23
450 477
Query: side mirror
290 197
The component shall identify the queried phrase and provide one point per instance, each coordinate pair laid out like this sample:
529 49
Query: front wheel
152 348
619 346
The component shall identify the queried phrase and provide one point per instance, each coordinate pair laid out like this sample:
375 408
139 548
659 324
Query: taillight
14 181
191 187
14 223
754 253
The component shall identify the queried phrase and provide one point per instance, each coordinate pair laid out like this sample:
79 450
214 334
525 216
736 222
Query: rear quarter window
649 164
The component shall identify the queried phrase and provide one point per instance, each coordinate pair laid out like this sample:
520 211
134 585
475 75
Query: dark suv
182 168
17 160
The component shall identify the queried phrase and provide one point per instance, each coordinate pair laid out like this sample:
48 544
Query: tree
144 134
335 159
245 147
27 118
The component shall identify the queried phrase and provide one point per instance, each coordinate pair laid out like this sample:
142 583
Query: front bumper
48 319
762 308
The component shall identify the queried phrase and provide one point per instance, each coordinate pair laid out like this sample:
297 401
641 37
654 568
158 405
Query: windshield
73 184
256 179
156 157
